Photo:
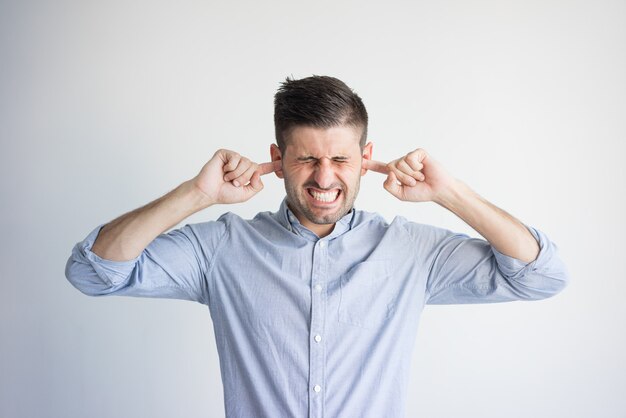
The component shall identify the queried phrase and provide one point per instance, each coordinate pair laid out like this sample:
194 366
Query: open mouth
324 197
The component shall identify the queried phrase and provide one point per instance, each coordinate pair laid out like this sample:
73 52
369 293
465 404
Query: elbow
558 277
548 285
546 280
560 282
84 278
556 287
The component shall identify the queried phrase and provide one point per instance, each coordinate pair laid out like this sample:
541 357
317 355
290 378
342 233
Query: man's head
317 101
321 129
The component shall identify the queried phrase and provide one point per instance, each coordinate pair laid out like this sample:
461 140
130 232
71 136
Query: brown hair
317 101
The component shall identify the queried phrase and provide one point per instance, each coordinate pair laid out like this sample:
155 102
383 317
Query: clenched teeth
324 197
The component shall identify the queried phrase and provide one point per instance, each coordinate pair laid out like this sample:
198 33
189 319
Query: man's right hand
230 178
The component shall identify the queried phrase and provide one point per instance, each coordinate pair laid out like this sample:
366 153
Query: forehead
320 142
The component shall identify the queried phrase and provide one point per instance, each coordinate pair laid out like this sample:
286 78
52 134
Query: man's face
322 172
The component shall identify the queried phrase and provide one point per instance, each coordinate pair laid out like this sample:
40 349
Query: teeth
325 197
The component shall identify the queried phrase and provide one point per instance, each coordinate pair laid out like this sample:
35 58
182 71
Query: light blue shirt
310 327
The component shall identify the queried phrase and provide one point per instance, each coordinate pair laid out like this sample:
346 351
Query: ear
367 155
276 155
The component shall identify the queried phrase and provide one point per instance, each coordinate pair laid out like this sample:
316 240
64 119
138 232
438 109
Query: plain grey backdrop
105 106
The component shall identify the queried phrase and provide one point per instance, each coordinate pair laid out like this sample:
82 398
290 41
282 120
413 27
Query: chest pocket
367 298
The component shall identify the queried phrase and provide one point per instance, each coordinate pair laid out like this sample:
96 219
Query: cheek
297 172
349 175
349 170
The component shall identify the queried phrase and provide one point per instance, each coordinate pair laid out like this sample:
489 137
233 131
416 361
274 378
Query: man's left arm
462 262
417 177
503 231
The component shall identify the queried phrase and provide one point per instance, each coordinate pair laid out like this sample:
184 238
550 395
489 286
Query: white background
105 106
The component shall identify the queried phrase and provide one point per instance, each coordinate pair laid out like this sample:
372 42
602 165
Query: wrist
194 199
453 196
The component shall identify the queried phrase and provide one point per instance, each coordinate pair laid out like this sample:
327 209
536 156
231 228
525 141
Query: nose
324 174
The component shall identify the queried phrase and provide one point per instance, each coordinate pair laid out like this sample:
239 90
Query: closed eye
315 160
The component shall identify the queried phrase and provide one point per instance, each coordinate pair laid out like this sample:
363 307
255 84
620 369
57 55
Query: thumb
392 186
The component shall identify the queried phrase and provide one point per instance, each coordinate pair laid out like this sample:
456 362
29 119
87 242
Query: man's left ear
367 155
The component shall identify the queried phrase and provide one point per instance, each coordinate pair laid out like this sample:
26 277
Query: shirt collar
287 219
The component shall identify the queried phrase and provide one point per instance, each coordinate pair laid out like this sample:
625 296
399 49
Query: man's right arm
127 236
226 178
132 255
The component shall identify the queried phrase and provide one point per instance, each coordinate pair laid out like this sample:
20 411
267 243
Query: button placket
316 348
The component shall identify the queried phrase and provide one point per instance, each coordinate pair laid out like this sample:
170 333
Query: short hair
317 101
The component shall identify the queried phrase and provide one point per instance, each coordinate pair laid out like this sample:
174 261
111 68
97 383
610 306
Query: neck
319 230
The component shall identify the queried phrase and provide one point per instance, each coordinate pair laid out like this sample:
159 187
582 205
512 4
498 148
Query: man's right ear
276 155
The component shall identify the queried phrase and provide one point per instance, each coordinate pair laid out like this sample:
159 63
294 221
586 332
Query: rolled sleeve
470 270
111 272
173 265
547 272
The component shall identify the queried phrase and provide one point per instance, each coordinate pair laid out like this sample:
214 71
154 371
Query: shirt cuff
114 272
514 268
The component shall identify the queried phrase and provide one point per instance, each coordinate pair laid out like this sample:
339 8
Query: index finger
266 168
376 166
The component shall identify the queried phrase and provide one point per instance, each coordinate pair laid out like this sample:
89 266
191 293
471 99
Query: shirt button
322 244
317 388
318 338
318 287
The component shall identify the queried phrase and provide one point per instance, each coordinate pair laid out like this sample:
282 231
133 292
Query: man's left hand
416 177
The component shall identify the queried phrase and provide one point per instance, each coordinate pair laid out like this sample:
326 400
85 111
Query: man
315 307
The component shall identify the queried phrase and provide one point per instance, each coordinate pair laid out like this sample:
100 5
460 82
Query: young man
316 306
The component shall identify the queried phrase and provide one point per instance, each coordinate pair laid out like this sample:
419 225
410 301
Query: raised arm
515 263
226 178
417 177
133 256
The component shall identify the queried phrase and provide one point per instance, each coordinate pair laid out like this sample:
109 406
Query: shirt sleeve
174 265
470 270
